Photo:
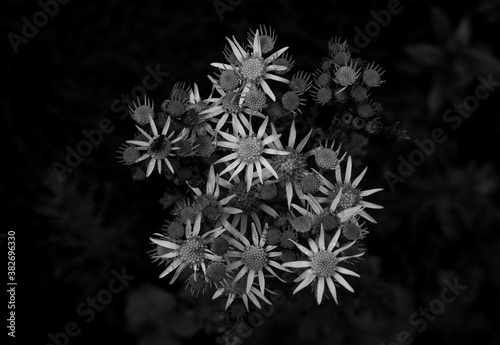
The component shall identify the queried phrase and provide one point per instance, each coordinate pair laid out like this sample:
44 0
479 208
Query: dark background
441 223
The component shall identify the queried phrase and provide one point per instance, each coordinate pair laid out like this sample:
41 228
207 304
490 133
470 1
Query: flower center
328 220
229 80
191 119
289 167
346 75
350 196
250 148
191 251
230 103
238 288
255 100
245 201
326 158
141 114
302 224
216 271
253 68
160 148
323 263
254 258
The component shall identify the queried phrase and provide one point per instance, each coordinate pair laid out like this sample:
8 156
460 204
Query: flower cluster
346 83
267 202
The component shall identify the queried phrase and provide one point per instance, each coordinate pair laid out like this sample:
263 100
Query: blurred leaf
462 34
440 24
427 54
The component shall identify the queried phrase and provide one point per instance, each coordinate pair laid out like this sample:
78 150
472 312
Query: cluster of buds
273 203
346 82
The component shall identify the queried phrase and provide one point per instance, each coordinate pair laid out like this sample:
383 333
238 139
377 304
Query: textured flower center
219 246
365 110
176 108
328 220
130 155
160 250
342 58
268 191
238 288
205 145
346 76
323 263
254 258
216 271
289 167
245 201
290 101
302 224
229 80
324 95
255 100
230 103
160 148
197 281
359 93
266 44
191 119
275 110
326 158
191 251
175 230
371 77
310 183
324 79
351 231
250 148
141 114
253 68
350 196
298 84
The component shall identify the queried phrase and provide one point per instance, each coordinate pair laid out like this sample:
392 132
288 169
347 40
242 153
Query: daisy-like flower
228 104
346 75
322 266
175 105
249 201
350 195
158 147
249 150
267 39
238 290
208 204
326 157
195 120
252 68
191 252
292 167
254 257
328 217
141 112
